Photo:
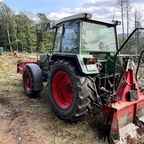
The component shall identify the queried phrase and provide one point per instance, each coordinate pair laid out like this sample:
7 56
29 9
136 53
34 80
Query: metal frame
116 55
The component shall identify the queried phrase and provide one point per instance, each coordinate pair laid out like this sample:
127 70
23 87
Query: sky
57 9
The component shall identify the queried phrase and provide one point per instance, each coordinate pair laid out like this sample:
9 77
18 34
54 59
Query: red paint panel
21 66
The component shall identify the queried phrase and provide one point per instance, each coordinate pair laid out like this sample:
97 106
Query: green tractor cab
84 38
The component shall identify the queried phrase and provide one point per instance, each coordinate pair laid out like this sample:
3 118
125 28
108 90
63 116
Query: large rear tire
68 91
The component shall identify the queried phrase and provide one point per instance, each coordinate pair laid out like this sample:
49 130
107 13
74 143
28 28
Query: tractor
88 69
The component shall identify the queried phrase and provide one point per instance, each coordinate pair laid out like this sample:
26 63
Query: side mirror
48 27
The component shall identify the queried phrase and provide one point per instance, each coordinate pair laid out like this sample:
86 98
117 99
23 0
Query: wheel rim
27 81
62 89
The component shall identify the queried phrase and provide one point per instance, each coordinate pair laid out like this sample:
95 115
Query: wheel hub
69 88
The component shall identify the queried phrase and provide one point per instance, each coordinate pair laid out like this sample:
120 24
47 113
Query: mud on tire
68 91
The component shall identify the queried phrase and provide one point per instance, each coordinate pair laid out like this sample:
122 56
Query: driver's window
70 37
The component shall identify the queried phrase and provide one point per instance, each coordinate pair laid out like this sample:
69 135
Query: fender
37 76
77 60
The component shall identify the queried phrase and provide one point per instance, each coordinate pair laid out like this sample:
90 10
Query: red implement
126 114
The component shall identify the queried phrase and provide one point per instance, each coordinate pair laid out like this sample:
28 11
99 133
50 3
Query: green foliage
22 32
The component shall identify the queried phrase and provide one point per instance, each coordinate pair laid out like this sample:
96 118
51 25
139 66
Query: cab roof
87 16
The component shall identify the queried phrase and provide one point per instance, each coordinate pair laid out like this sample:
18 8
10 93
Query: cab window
70 37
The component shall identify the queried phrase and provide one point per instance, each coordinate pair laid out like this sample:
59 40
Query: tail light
90 60
90 64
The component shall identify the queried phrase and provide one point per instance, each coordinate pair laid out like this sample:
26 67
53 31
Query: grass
36 112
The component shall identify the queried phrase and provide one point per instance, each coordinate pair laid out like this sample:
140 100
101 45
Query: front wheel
68 91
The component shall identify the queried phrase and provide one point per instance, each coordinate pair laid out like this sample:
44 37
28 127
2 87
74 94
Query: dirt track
20 120
17 121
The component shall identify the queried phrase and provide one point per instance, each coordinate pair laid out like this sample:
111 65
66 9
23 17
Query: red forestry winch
126 113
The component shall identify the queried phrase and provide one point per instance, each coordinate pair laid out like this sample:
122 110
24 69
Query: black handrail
115 58
139 63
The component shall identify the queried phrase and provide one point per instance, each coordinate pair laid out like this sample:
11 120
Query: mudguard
37 76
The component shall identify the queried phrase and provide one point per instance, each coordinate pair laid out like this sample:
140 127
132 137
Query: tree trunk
16 38
8 35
